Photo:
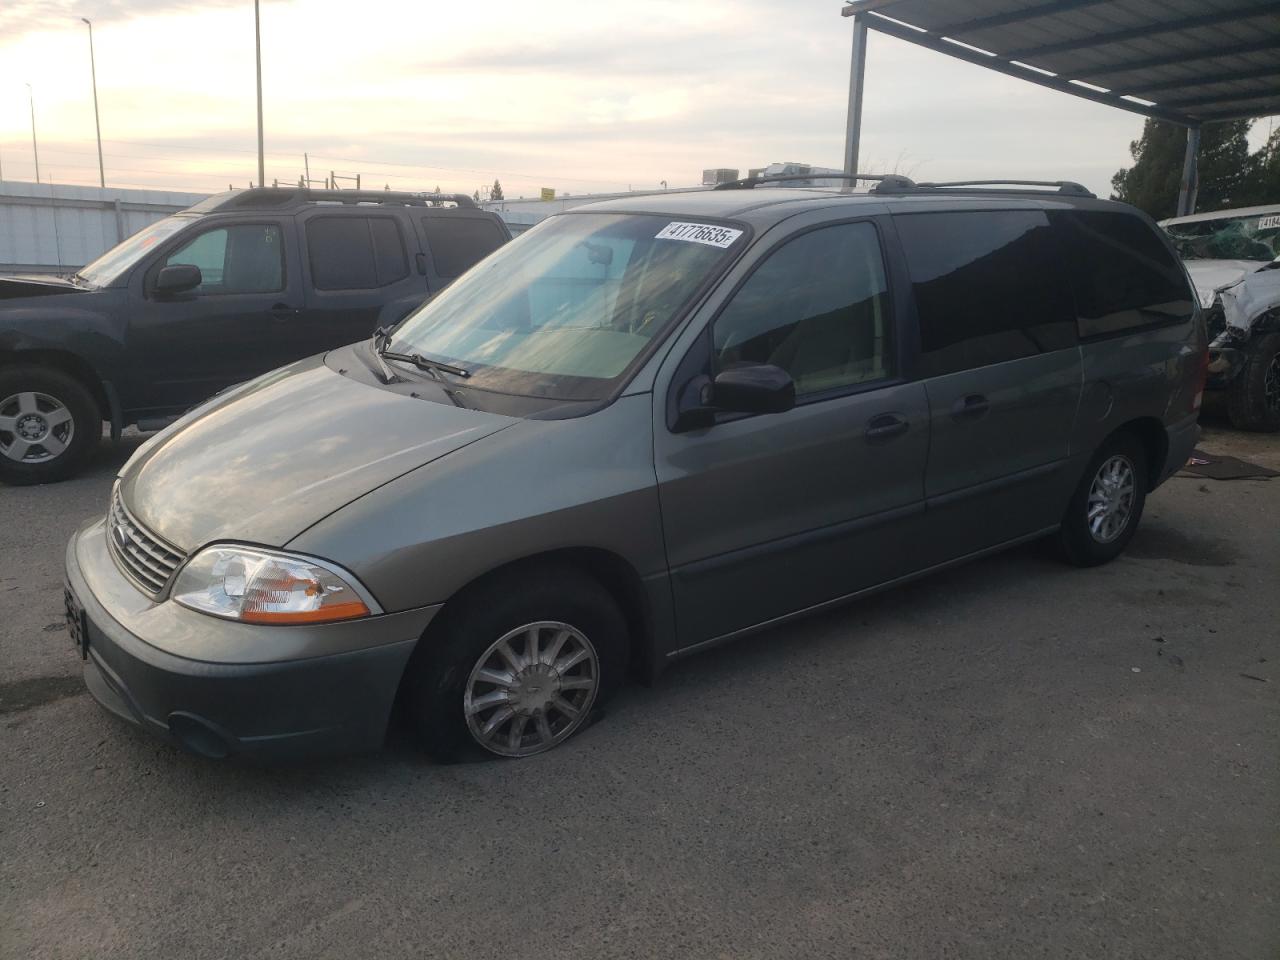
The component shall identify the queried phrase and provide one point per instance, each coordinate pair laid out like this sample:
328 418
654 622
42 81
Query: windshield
122 256
563 311
1255 237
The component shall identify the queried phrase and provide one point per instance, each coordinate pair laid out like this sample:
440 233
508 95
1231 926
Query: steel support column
857 76
1190 174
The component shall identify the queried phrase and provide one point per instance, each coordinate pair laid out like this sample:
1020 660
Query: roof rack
1068 187
749 183
283 196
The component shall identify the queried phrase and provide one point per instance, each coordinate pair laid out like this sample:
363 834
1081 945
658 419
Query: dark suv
237 285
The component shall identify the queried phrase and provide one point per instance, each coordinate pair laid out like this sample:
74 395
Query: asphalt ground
1011 759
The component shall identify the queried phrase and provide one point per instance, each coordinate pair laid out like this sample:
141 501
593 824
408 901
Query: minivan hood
274 457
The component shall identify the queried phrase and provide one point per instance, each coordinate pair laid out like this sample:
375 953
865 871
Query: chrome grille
148 562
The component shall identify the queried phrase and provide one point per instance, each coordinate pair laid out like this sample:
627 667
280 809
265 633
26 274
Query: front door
771 514
237 324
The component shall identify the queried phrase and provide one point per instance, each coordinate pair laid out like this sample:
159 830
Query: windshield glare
1255 237
562 311
121 257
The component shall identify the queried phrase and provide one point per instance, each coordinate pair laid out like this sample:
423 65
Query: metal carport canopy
1186 61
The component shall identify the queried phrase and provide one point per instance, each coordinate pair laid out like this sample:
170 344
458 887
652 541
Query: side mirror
178 278
757 388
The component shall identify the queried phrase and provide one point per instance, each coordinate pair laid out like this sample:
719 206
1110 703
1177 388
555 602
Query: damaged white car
1233 257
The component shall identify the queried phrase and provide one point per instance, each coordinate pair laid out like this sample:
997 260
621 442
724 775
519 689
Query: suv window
818 307
1124 275
243 258
458 243
355 253
989 287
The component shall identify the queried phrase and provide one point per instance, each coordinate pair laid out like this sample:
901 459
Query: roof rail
1068 187
282 196
749 183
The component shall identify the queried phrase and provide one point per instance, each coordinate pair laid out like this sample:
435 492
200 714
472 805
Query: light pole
31 98
97 126
257 49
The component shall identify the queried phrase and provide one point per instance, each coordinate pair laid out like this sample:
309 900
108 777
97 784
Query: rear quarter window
355 253
1124 277
459 243
989 287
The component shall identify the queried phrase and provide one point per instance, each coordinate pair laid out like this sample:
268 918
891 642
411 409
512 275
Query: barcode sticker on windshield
708 233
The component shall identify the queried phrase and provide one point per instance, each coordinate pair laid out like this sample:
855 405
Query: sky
582 97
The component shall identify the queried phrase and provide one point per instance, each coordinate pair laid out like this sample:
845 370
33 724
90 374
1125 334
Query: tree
496 192
1225 167
1265 182
437 188
476 196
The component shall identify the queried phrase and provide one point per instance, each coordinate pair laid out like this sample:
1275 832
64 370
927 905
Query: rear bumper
1183 437
333 703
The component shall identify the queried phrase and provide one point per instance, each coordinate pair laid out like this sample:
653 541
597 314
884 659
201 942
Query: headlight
261 586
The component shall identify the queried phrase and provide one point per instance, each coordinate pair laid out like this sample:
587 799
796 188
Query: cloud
568 93
26 16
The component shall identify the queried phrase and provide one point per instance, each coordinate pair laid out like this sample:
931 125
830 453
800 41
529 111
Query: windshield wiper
417 359
380 338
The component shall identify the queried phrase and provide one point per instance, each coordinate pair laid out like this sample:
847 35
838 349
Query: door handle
972 407
886 426
421 260
282 311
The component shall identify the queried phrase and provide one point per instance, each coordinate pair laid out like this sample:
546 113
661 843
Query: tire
49 425
567 610
1087 543
1253 398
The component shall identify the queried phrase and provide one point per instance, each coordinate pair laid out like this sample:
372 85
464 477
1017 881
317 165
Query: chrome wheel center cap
32 427
534 689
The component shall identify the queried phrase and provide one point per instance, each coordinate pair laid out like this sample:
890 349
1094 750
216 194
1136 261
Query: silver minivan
644 427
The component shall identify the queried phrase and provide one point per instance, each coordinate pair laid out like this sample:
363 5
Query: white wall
55 228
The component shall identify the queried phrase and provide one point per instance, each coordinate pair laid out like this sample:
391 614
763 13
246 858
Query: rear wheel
1105 509
517 666
1253 399
49 424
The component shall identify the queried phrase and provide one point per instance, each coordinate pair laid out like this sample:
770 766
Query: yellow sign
548 193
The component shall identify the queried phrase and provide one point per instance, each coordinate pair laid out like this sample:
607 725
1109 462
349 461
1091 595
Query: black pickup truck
235 286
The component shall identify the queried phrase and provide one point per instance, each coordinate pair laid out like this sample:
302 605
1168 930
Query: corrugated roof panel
1149 48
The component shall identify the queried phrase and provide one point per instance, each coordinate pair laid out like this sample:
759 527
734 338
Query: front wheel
516 667
1253 398
1104 511
49 424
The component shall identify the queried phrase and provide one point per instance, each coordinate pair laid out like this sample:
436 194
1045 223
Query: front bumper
220 687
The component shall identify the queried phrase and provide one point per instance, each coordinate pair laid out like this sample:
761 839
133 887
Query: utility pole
35 150
97 125
257 47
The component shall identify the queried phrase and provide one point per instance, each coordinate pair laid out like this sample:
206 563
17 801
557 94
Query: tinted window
1124 276
245 258
355 253
989 287
818 307
457 243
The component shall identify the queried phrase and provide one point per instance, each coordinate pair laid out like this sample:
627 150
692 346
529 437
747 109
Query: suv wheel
1253 400
1105 509
518 666
49 424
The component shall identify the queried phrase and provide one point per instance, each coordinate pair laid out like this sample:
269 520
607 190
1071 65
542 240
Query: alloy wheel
531 689
1111 497
34 427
